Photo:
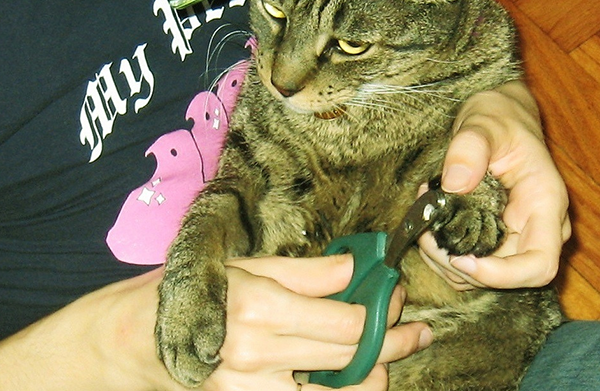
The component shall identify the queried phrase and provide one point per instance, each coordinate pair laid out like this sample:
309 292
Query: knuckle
549 274
353 326
245 360
240 354
254 306
345 357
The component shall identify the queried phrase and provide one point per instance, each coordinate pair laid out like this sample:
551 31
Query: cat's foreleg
191 317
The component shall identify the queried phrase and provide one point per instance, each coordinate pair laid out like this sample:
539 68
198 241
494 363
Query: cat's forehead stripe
323 12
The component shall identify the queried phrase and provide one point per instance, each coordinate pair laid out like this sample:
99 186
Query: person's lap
570 360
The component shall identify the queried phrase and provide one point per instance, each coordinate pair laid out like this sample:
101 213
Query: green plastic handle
371 285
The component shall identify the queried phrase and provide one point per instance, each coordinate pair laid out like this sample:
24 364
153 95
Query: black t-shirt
91 94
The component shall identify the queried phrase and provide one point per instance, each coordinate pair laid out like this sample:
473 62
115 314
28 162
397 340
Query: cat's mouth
331 114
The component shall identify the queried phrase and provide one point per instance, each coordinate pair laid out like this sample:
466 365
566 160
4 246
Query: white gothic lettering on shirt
103 102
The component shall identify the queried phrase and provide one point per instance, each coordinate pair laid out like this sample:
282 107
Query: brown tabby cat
347 110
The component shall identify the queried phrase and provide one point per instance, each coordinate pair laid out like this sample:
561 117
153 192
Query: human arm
102 341
105 340
500 131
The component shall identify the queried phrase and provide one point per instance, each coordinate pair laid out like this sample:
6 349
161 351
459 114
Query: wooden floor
561 50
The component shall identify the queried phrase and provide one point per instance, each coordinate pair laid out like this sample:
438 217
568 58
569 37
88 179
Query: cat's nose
286 90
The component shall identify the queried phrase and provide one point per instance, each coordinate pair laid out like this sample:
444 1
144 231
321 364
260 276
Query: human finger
225 380
488 126
271 326
462 171
438 260
400 342
346 319
315 277
261 302
513 265
533 259
405 339
506 268
377 380
526 259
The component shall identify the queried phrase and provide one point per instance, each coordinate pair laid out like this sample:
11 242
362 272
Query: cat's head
317 55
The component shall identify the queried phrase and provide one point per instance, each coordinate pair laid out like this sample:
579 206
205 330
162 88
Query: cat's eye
353 48
273 11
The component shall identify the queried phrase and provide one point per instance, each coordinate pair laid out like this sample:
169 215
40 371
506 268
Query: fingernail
465 264
456 178
425 338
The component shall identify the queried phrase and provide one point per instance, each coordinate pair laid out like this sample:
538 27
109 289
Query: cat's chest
301 214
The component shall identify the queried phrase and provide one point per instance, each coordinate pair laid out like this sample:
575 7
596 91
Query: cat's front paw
473 224
190 327
471 231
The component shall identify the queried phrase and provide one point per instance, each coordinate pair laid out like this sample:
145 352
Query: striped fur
290 181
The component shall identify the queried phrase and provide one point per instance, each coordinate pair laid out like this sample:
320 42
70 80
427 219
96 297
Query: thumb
466 161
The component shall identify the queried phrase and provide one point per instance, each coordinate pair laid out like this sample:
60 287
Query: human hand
500 132
277 324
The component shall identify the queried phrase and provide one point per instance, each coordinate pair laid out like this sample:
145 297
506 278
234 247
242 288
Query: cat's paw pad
471 230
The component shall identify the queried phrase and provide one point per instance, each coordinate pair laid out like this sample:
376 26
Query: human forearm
102 341
276 324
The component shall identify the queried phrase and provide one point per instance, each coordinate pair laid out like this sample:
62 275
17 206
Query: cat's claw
472 223
188 365
189 362
471 231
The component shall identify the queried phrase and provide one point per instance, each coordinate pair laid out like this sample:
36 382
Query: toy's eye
274 11
353 48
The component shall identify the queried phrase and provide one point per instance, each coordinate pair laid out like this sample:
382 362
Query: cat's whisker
376 98
406 90
394 86
227 38
412 92
214 50
370 102
209 51
352 116
376 101
213 84
404 106
222 73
